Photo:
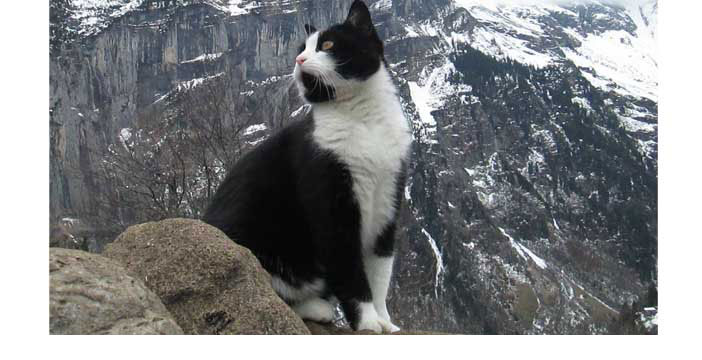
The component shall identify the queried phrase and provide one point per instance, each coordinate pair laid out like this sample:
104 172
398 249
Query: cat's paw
371 324
315 309
388 326
378 325
370 320
391 328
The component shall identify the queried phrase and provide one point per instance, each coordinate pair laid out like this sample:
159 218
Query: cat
318 202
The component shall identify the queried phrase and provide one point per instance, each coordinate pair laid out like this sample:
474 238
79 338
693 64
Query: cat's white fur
316 309
305 291
366 128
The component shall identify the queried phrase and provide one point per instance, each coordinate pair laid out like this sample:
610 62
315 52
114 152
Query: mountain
531 202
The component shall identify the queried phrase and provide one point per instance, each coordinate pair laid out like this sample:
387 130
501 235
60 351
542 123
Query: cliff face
99 83
531 200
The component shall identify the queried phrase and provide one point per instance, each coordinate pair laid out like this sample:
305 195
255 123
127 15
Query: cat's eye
327 45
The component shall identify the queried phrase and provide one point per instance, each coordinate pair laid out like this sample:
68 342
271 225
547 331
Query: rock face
90 294
210 284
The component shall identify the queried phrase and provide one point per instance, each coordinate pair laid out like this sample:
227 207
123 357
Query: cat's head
332 63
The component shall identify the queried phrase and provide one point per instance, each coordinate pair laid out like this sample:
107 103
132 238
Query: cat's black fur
292 203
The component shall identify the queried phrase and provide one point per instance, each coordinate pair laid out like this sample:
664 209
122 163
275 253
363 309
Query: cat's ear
309 29
359 17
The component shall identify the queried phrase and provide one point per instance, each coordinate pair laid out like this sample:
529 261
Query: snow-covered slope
614 47
95 15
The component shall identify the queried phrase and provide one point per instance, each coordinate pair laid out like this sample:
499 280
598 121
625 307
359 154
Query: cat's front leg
379 271
352 288
349 283
378 260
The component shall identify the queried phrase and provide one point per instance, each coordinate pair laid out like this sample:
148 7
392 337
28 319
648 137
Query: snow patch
302 109
234 7
94 15
633 125
523 251
204 58
430 93
439 262
254 129
191 84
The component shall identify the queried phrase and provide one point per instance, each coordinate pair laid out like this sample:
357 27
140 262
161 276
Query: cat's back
261 182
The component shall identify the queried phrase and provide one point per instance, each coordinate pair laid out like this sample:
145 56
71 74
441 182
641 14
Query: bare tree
171 161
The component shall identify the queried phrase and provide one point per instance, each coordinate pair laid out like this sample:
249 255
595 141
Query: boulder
90 294
210 284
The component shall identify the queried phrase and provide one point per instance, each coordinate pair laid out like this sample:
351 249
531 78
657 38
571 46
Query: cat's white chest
371 137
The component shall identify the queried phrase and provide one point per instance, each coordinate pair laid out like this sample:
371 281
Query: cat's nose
300 60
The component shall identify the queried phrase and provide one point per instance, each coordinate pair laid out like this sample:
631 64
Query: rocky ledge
176 276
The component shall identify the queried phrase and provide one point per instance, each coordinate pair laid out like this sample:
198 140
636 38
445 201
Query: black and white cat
317 202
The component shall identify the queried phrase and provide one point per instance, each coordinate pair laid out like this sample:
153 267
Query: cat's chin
309 81
314 90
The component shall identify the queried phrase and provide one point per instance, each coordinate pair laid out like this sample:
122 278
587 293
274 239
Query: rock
210 284
331 329
90 294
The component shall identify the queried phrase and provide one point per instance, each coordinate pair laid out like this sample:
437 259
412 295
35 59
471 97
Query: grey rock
210 284
90 294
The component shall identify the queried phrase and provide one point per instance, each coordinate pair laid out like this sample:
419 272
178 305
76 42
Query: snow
410 32
254 129
555 224
191 84
421 30
584 103
506 46
94 15
204 58
633 125
611 60
304 108
125 134
430 93
408 196
382 5
423 100
256 142
616 60
69 221
439 262
523 251
234 7
647 147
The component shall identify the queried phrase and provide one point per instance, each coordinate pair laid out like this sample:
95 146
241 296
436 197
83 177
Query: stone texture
210 284
90 294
